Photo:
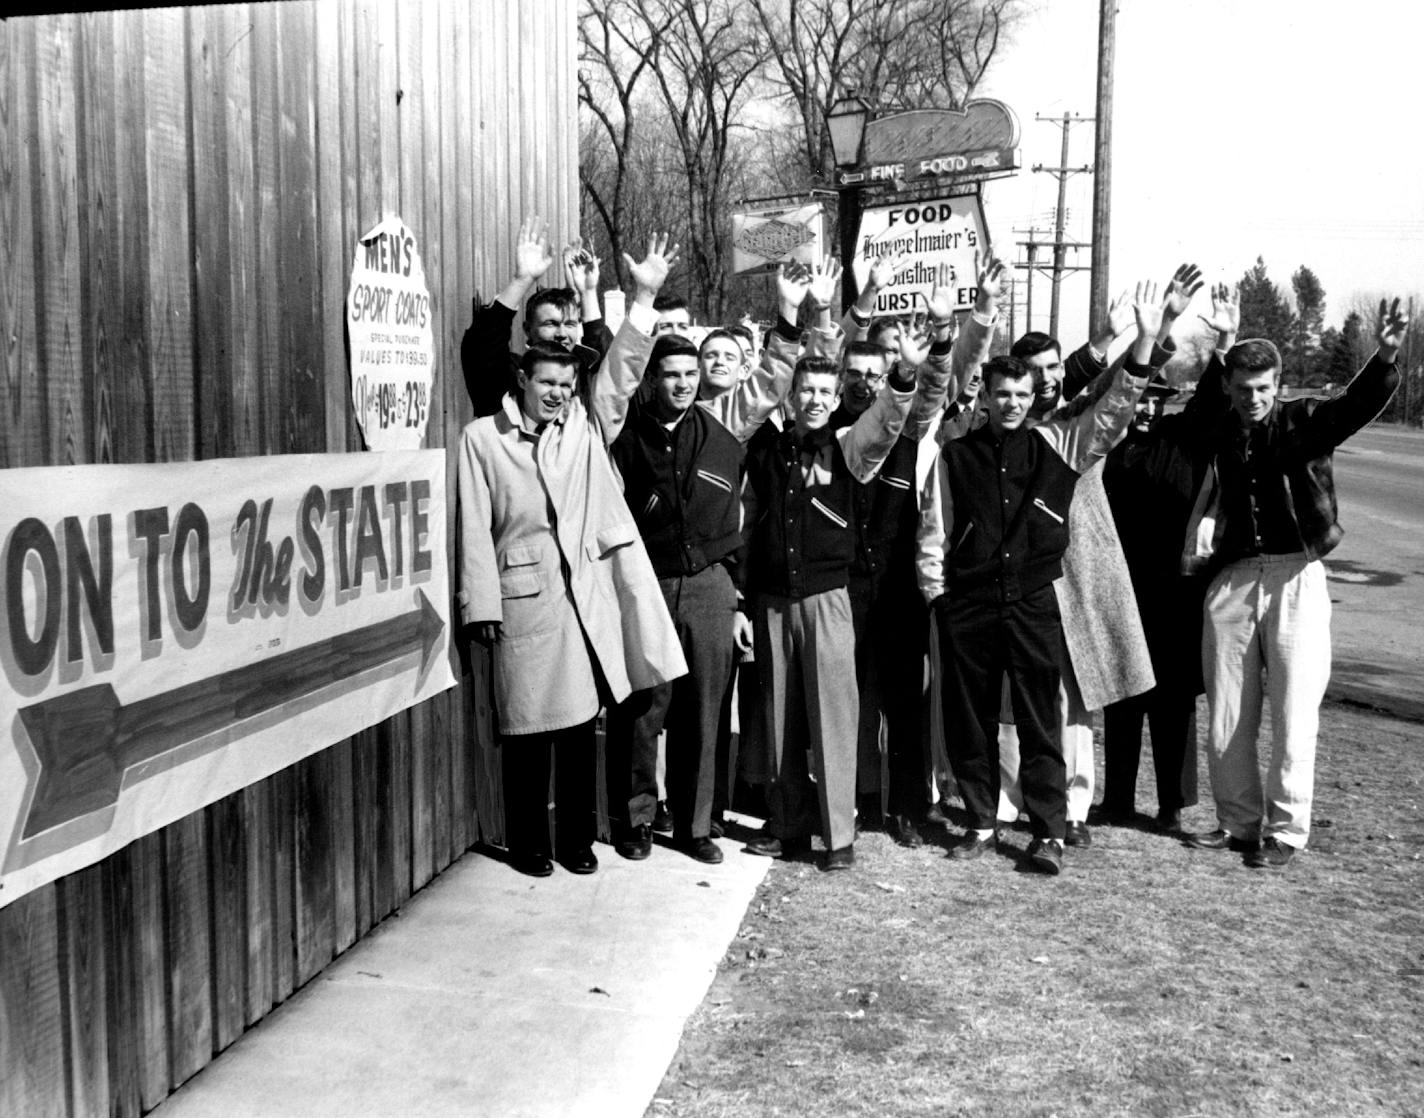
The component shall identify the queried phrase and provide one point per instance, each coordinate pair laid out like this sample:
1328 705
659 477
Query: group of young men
860 497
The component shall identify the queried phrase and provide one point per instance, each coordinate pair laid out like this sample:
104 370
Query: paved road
1377 572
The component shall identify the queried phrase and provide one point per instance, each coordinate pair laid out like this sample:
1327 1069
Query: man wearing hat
1150 483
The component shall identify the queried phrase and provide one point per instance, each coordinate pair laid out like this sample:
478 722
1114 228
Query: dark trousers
526 759
981 643
1172 720
690 708
891 639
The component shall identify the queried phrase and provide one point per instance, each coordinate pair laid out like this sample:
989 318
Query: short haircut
547 353
1254 355
561 297
808 366
1032 344
863 349
664 303
737 330
881 326
1006 368
713 335
668 345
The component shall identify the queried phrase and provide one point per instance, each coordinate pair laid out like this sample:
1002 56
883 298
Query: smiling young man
555 580
1265 516
567 317
993 532
682 475
797 510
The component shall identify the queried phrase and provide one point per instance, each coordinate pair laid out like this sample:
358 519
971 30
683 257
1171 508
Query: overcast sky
1288 129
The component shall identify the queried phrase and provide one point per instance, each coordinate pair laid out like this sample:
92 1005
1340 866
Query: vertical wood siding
180 194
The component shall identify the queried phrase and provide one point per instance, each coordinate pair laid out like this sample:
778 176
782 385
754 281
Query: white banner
388 322
173 633
948 230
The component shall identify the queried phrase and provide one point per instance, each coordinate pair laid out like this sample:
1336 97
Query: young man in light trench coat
555 577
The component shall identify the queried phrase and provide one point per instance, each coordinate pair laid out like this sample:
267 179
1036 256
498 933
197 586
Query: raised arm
1186 281
856 321
825 338
867 442
1333 421
622 369
745 408
1082 439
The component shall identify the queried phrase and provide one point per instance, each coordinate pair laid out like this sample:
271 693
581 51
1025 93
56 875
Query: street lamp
846 123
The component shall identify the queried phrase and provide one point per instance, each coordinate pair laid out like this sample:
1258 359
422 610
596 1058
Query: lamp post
846 123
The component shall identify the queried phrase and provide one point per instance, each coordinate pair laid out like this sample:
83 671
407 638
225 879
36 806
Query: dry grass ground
1149 979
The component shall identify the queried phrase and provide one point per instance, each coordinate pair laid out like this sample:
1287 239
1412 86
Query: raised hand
915 342
581 266
1225 317
793 281
1149 311
651 272
825 275
532 256
1121 313
884 270
1186 281
1393 325
941 298
993 282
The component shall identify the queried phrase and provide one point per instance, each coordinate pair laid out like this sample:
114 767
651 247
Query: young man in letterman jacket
891 620
993 529
796 509
681 458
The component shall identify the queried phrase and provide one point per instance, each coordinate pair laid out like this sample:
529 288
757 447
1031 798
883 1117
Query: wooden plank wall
180 195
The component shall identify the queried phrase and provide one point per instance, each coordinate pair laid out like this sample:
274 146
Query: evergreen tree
1265 313
1307 354
1346 354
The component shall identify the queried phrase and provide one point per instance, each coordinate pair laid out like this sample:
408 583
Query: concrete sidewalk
491 993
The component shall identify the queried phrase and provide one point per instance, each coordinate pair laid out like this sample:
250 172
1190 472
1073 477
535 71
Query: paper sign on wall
388 321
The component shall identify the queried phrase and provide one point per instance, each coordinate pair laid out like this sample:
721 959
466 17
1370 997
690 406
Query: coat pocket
520 576
715 480
829 513
1038 504
610 539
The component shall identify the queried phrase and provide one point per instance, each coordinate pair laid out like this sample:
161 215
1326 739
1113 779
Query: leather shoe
719 826
637 844
769 846
1047 855
662 819
1107 815
1169 822
532 865
579 861
903 830
701 849
971 846
841 859
1220 840
1077 834
1272 854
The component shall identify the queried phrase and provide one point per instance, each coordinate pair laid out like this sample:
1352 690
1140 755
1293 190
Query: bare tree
897 54
699 60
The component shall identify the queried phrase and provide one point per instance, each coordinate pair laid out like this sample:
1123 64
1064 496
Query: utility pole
1062 172
1055 272
1102 164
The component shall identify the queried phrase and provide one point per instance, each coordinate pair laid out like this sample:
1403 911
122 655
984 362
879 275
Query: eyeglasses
869 378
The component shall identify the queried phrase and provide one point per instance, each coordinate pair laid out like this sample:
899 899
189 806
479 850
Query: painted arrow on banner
87 739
